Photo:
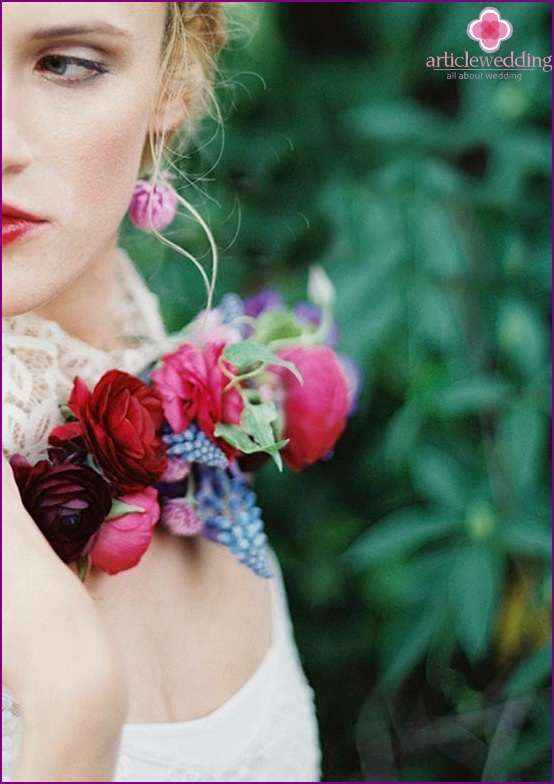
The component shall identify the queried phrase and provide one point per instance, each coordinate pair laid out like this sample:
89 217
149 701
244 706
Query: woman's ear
170 114
178 102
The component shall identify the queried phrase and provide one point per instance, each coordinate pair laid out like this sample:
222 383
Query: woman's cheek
107 166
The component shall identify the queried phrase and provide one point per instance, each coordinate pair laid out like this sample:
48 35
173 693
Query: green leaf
392 122
440 477
432 317
527 537
472 395
83 566
248 353
237 437
257 420
531 673
532 748
474 592
397 534
120 508
277 325
521 335
415 635
522 439
402 433
68 414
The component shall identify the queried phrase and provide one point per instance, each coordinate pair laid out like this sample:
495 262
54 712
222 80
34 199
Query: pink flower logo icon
489 30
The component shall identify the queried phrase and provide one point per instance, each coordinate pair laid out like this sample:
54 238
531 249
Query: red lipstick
17 224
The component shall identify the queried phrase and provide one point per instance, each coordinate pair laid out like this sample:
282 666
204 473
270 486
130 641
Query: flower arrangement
249 381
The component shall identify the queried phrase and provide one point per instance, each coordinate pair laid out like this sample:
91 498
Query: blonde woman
183 668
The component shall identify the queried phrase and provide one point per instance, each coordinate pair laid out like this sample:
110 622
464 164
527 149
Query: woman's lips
15 229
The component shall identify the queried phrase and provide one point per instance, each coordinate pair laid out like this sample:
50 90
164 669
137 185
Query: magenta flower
192 386
489 30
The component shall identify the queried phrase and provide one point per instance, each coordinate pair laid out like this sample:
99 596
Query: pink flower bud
153 207
122 542
179 517
176 470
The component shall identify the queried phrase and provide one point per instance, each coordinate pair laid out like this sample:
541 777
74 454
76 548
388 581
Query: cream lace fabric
40 361
268 730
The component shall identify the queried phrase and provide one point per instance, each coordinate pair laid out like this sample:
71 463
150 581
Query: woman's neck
87 309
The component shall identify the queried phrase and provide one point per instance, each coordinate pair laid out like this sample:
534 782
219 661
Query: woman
184 667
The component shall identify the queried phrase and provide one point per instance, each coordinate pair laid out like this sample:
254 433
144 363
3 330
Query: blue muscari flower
194 446
227 505
230 308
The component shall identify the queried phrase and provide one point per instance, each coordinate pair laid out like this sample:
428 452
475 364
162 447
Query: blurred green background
418 560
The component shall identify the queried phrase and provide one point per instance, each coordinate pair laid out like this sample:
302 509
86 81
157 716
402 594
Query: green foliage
418 560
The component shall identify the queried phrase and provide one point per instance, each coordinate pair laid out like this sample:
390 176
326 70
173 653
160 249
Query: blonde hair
194 35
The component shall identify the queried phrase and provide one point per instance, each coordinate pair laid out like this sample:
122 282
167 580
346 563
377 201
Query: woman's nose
16 153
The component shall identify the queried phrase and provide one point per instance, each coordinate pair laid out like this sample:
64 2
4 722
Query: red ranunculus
120 422
68 502
122 542
315 412
192 385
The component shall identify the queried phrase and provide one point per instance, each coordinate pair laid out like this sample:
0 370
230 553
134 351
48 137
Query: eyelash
66 61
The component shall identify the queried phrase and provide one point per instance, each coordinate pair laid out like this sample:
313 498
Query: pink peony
315 412
191 386
122 542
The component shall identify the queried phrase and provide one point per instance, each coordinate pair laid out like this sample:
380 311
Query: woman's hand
56 657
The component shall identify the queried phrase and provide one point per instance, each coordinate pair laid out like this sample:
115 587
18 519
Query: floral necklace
253 380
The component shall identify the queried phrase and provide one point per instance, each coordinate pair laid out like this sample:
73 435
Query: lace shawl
40 361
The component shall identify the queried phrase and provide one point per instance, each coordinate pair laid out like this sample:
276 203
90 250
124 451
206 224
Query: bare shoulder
191 624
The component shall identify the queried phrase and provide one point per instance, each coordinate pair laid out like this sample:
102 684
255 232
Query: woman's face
79 83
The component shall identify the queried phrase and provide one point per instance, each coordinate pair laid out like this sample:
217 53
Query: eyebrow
62 31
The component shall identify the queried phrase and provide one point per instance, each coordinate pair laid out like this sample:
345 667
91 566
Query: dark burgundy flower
120 422
67 501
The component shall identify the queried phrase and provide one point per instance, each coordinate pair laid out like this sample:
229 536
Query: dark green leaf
440 477
472 395
417 634
398 534
474 590
532 673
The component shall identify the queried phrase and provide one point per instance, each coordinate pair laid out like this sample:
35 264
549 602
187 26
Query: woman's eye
70 69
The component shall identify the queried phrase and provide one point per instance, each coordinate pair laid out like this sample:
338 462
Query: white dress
265 732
